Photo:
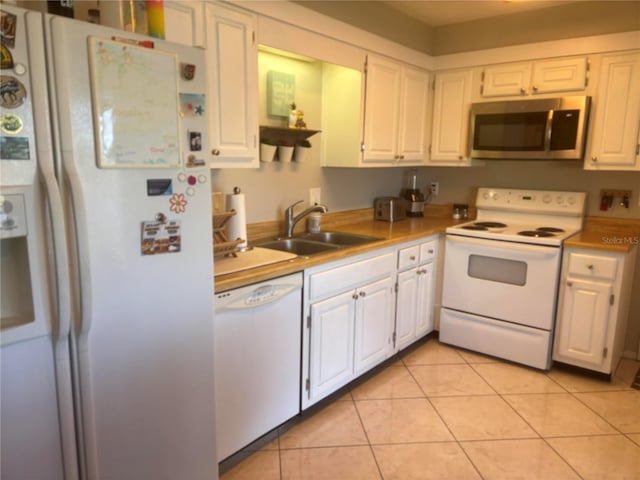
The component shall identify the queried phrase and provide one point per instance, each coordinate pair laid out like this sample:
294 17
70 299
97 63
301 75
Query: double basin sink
314 243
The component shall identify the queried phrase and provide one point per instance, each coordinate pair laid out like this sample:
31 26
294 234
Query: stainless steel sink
298 246
339 238
313 243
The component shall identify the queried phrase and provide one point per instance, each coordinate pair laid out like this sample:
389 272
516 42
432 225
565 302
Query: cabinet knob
401 157
363 294
569 284
430 250
590 267
412 257
594 159
460 157
215 152
522 90
535 88
354 296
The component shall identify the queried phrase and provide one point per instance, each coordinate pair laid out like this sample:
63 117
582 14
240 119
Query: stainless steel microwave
537 129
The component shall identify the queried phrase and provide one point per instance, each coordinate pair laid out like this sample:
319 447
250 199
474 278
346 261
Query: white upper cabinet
615 120
451 103
527 78
396 113
183 22
232 63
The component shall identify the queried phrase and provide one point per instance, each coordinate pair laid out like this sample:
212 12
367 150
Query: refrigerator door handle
62 318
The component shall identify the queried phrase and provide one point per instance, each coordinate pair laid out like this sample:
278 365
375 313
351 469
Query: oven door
514 282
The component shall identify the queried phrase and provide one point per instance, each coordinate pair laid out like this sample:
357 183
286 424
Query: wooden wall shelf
284 136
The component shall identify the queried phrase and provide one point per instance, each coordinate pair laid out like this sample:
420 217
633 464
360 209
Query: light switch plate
315 195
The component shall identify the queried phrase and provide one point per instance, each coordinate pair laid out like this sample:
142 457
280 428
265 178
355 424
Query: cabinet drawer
427 251
592 266
408 257
353 275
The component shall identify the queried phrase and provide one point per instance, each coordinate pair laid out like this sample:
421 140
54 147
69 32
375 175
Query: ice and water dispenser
16 305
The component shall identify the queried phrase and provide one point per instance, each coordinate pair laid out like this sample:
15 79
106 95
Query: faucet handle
290 208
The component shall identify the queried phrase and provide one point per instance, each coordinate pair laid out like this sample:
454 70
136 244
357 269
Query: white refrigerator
106 259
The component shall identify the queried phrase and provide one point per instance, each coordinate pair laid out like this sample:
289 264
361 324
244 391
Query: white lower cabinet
349 324
593 308
361 311
415 292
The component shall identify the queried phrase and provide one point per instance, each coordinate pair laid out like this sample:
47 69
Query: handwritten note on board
135 105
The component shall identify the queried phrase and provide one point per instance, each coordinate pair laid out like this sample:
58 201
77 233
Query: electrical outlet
315 195
435 188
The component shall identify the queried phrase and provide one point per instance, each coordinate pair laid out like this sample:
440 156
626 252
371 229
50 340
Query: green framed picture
281 89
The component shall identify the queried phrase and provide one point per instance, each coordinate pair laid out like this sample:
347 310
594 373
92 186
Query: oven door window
510 131
502 270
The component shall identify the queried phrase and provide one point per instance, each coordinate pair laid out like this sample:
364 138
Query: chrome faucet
290 221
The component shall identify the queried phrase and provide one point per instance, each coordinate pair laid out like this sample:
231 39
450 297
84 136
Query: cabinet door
616 111
373 324
406 308
506 80
425 294
581 335
183 23
414 97
452 98
562 75
233 94
382 108
331 355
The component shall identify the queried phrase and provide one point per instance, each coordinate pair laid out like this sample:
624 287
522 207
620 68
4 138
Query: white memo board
135 105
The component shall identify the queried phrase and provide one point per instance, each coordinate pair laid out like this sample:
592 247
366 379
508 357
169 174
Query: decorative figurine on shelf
296 118
300 119
293 116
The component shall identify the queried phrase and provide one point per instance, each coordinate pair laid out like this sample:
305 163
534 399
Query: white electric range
501 273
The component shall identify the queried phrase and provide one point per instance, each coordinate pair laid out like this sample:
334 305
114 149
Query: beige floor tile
445 380
432 352
262 465
392 382
481 418
621 409
401 420
558 414
508 378
581 382
336 424
475 357
613 457
336 463
635 437
424 461
518 459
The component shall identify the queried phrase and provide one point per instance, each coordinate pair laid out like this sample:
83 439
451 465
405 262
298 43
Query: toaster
389 209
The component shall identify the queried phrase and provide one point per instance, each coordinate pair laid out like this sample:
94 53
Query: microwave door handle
548 132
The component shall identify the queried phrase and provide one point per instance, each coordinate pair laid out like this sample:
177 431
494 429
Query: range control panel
533 201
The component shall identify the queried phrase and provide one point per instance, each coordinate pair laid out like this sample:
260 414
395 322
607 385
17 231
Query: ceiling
441 13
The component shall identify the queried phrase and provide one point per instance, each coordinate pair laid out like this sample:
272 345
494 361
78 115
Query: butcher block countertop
435 221
611 234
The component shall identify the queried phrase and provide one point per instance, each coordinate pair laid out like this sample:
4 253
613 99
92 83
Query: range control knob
547 198
559 199
571 200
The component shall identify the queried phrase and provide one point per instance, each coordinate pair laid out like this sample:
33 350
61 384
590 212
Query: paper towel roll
237 226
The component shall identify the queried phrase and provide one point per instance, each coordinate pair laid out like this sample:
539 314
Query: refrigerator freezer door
38 434
144 334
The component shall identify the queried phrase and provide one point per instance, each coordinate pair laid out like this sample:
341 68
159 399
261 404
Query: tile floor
445 413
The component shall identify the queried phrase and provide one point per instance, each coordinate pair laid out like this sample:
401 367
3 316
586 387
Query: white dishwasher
257 360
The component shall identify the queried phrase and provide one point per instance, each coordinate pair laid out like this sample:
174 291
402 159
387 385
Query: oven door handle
540 250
